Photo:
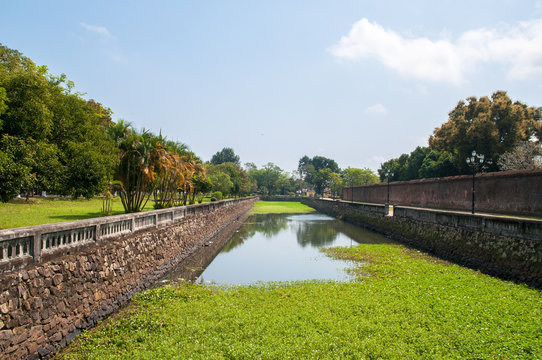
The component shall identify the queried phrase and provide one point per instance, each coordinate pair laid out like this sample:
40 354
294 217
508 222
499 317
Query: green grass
37 211
280 207
404 305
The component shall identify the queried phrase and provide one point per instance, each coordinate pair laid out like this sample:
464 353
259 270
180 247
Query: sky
359 82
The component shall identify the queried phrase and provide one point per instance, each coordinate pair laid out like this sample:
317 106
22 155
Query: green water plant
402 305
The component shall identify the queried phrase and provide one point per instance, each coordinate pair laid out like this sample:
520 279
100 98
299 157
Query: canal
277 247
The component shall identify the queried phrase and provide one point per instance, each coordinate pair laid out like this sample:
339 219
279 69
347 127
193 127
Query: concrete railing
379 209
497 225
22 246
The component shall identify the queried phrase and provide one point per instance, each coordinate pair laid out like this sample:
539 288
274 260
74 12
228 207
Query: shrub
217 195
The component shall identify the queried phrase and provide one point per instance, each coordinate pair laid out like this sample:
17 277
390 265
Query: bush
212 199
217 195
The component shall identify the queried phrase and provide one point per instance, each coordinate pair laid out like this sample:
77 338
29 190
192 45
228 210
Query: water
285 247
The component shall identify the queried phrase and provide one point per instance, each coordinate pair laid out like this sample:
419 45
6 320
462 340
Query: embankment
59 279
510 248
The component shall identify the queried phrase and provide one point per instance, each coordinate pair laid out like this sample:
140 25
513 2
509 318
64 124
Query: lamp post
473 162
388 174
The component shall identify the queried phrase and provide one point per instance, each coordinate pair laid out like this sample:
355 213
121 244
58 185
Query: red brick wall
510 192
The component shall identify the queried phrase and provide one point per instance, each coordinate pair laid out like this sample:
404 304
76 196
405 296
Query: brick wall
44 306
509 192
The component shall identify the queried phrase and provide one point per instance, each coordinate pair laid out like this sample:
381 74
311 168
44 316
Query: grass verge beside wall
38 211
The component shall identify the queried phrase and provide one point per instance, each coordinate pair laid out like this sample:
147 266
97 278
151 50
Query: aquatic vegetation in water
405 305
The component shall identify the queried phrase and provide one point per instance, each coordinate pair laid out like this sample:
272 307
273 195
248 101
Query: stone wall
47 302
507 247
508 192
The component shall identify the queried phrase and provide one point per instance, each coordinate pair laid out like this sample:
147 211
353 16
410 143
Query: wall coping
489 175
499 225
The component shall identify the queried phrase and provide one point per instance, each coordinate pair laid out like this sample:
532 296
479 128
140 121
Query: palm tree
135 173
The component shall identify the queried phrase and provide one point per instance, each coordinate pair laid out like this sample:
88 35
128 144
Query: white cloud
444 60
377 109
100 30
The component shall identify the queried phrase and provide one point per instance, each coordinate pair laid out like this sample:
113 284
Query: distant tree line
320 174
507 134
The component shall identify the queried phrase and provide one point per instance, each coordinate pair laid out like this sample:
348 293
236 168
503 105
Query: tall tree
310 170
224 156
490 126
355 177
267 178
135 175
65 133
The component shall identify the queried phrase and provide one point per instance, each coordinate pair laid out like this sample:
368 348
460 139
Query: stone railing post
36 247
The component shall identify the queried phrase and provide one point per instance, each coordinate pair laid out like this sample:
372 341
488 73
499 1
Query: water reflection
267 224
286 247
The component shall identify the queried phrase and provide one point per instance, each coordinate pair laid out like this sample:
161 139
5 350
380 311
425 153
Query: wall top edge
465 214
6 234
490 175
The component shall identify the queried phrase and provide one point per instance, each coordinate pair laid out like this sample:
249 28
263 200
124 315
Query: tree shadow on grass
88 215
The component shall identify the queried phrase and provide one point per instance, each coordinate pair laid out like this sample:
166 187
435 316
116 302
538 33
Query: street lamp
388 174
473 162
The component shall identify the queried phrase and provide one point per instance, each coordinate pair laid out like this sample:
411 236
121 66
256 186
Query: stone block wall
507 247
43 306
507 192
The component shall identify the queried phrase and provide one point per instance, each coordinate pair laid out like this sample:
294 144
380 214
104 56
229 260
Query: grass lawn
280 207
403 305
37 211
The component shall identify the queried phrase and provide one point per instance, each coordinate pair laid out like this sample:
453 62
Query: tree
135 172
66 134
322 180
267 178
15 167
395 167
336 184
309 170
414 162
202 185
438 164
224 156
272 180
488 126
320 162
526 155
220 180
356 177
241 182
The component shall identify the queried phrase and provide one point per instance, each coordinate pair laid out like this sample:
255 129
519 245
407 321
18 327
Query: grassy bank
280 207
37 211
404 305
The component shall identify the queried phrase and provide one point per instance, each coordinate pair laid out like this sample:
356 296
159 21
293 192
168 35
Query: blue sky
357 81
